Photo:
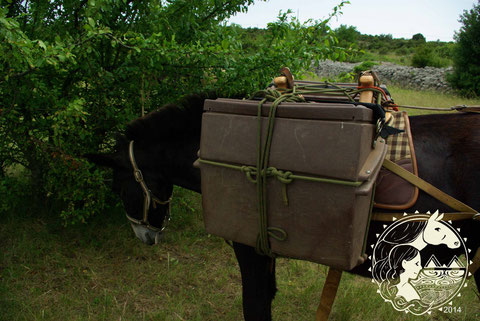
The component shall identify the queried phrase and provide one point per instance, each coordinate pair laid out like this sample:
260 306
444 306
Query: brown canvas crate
325 222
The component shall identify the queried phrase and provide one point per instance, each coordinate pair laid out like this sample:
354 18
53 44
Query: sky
434 19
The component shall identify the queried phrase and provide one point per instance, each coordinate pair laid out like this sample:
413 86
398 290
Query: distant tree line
463 54
415 51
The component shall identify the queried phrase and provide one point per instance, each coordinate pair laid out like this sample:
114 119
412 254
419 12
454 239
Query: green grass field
100 271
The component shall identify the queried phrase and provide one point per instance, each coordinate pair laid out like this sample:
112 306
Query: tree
422 57
347 35
466 56
419 38
73 73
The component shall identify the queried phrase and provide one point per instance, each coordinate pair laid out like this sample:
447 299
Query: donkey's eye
437 229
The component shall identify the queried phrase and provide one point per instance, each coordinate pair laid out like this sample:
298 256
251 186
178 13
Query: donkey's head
144 190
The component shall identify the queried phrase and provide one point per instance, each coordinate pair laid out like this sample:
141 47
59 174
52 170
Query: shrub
425 56
466 55
422 57
419 38
366 65
403 51
73 73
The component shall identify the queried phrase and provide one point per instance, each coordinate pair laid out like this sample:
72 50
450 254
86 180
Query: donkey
165 146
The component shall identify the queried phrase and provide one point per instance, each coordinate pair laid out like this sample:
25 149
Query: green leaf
42 45
225 44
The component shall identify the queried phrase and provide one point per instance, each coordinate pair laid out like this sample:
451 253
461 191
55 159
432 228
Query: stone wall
428 78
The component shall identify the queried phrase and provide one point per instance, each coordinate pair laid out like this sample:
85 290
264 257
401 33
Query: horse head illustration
436 232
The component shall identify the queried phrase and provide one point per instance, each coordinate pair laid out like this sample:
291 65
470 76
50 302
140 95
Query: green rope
284 177
258 174
331 89
263 155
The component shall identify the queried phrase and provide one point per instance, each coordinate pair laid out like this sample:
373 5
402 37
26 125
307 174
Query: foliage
366 65
422 57
386 48
364 47
353 75
419 37
466 76
347 35
73 73
425 56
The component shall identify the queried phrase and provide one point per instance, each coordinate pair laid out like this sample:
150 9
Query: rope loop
277 233
250 172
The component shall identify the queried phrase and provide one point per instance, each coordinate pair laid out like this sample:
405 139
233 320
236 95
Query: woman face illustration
412 267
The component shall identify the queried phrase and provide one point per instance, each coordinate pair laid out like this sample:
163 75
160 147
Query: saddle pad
392 191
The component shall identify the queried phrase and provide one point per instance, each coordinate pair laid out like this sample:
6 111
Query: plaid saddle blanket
393 192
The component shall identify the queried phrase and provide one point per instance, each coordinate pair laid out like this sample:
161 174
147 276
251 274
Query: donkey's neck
181 158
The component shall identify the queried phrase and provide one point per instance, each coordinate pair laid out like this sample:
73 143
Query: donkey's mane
171 122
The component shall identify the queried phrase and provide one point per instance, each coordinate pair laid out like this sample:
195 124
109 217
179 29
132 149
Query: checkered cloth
393 192
398 145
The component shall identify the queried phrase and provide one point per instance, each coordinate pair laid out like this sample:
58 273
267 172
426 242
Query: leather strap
472 268
468 109
148 197
329 292
428 188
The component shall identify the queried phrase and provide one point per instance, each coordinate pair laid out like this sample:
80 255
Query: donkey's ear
107 160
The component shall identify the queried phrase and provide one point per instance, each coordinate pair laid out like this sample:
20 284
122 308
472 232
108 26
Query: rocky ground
428 78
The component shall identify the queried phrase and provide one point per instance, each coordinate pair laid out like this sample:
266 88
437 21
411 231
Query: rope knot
283 177
250 172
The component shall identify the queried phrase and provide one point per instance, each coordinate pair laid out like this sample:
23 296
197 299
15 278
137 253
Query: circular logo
416 263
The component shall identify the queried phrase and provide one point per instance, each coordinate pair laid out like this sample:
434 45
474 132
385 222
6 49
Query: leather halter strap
148 197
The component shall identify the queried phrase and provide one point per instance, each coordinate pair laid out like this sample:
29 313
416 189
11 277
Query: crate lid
308 110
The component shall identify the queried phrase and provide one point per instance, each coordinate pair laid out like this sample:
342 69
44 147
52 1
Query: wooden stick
366 80
328 294
281 82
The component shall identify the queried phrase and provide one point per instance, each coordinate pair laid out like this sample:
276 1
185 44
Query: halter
148 197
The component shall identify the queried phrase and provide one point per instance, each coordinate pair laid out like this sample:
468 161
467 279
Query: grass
411 97
392 57
398 57
100 271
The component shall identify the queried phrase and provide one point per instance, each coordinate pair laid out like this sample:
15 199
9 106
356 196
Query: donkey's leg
258 283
